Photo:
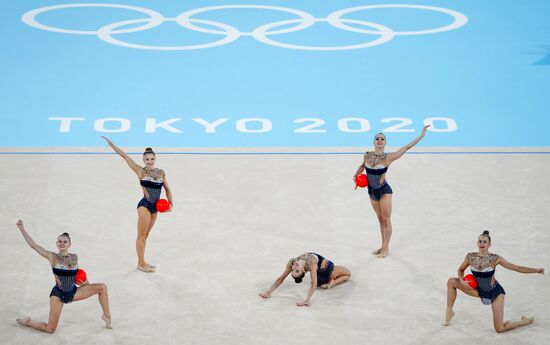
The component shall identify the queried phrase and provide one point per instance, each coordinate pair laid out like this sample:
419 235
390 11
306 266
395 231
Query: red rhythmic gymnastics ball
362 181
80 276
163 205
471 280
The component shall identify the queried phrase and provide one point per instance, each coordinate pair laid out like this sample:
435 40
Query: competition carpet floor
238 218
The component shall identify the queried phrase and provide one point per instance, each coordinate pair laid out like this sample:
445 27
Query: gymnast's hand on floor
264 294
303 304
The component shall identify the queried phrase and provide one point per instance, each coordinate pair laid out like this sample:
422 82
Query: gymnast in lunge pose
376 164
152 180
64 266
323 273
483 264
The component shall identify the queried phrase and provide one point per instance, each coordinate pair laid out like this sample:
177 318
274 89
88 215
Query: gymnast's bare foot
107 321
146 268
449 313
383 254
377 251
25 321
526 320
328 285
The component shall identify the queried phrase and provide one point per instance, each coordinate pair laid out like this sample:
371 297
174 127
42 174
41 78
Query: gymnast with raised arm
64 266
151 180
375 164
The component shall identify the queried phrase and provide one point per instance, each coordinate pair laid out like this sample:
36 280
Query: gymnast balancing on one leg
323 273
483 264
152 180
64 266
376 164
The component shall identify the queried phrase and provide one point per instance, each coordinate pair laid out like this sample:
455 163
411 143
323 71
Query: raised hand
424 130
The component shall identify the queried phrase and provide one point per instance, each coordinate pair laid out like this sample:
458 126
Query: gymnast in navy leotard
482 265
152 183
376 176
323 273
64 267
65 277
375 164
152 180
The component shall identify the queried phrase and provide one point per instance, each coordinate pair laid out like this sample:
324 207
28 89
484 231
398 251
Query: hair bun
485 232
66 234
148 150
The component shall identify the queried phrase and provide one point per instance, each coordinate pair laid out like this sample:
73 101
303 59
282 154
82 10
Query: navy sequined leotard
65 278
151 189
376 175
323 273
483 270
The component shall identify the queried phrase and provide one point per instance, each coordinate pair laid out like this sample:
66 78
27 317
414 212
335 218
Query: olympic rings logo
261 33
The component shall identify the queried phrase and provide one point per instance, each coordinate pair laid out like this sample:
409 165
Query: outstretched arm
313 285
136 168
277 282
43 252
397 154
521 269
